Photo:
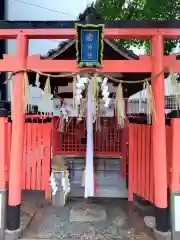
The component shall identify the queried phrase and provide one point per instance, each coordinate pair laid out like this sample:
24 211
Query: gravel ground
116 219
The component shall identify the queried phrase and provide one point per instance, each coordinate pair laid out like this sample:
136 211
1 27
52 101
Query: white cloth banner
89 176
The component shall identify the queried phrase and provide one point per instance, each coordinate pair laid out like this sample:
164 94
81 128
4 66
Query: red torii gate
153 63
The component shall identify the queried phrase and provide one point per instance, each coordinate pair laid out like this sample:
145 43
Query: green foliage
140 10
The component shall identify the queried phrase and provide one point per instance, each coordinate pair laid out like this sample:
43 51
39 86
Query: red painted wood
158 125
34 155
134 164
46 155
131 169
142 65
124 135
9 130
17 136
175 164
64 33
141 173
34 173
24 158
136 167
29 156
83 153
46 161
143 159
147 163
54 134
3 152
6 163
125 66
138 160
151 171
170 33
141 149
39 157
36 166
168 152
123 144
109 33
107 141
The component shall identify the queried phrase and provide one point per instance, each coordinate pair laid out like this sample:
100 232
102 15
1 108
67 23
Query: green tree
140 10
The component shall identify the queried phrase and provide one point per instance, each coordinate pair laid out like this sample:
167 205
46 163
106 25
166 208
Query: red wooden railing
3 152
124 141
36 160
169 153
72 141
141 181
173 154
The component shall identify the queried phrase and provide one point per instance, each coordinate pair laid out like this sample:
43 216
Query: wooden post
3 166
3 152
159 136
124 135
17 139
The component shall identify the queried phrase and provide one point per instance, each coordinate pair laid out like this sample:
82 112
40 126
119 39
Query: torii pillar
159 136
17 139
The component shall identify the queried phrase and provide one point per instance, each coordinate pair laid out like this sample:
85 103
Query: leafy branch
140 10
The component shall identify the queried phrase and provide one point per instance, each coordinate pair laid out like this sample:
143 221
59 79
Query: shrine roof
64 45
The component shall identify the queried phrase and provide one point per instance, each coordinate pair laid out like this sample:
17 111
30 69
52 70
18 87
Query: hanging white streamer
64 112
37 82
80 86
105 93
65 182
53 184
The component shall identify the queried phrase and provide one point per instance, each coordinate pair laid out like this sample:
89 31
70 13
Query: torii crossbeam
155 31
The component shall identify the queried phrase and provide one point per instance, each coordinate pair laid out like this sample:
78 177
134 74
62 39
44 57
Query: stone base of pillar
13 217
161 232
13 235
162 235
59 200
150 224
3 210
162 219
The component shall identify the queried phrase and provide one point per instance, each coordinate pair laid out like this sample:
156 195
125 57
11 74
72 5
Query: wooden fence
141 172
174 156
141 181
36 160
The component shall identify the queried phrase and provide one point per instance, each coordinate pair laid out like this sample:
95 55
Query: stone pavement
100 220
32 202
